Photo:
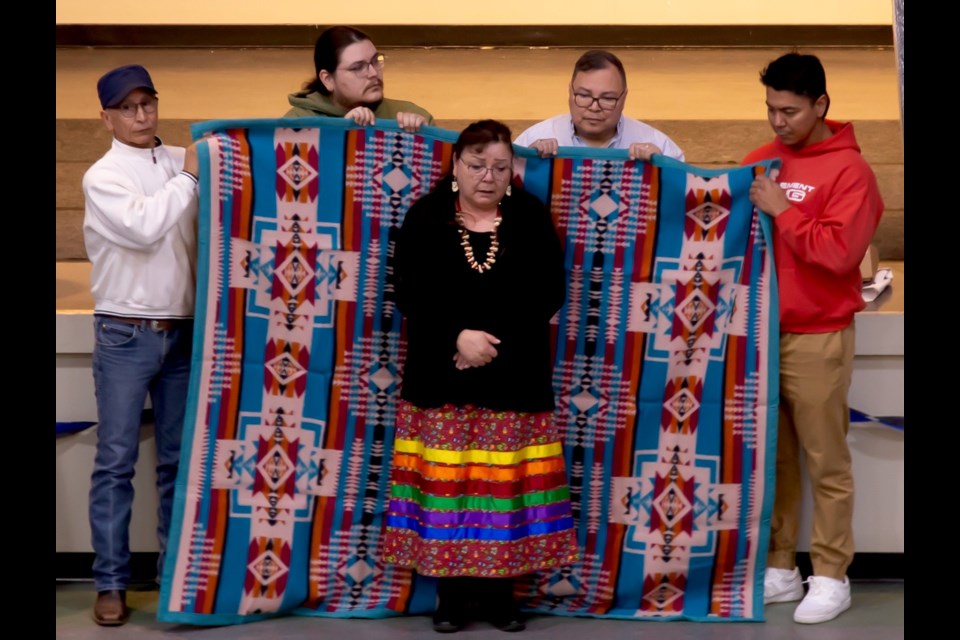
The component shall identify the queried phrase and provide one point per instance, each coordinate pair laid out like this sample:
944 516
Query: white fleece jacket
140 231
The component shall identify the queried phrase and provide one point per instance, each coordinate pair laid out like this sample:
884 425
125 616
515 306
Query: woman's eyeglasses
479 171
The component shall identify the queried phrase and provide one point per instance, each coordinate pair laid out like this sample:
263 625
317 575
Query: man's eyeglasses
129 109
479 171
359 69
585 101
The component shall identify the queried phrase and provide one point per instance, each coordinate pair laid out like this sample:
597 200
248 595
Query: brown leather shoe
111 608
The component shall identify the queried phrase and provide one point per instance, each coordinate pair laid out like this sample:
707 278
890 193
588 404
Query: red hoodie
821 239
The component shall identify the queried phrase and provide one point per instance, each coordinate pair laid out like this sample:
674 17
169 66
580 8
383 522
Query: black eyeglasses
606 103
359 69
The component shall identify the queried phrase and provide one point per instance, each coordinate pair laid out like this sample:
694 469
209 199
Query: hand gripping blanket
665 378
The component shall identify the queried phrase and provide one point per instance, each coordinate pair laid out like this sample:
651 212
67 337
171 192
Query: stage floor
877 614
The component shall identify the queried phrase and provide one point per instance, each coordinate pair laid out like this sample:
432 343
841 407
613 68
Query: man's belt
149 323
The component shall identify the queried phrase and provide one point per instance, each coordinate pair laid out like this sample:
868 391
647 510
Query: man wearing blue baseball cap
139 229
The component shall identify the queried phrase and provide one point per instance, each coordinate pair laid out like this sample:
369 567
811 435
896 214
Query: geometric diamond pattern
294 272
275 467
694 309
398 178
296 173
284 368
672 504
267 567
359 571
662 595
385 377
603 205
682 404
708 214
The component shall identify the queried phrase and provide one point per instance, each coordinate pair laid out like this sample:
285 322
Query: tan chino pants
815 373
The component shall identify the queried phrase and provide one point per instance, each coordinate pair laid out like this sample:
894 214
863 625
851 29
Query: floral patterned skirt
476 492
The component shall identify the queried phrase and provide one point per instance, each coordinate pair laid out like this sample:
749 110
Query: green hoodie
314 103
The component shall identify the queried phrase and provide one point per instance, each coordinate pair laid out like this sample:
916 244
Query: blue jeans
130 361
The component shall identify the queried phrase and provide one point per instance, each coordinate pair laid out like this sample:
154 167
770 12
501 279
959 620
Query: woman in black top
479 492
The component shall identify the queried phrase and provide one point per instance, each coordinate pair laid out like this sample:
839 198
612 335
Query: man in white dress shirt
598 92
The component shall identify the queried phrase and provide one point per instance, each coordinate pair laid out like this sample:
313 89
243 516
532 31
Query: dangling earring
508 191
454 186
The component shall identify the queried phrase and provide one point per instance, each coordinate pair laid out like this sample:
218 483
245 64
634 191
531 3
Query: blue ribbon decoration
66 428
892 422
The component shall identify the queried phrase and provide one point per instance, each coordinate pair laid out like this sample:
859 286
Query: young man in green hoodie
349 84
825 206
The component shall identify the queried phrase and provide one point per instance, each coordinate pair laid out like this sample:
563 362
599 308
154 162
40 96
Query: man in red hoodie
825 206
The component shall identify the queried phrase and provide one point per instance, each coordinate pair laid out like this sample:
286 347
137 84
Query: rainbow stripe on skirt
478 492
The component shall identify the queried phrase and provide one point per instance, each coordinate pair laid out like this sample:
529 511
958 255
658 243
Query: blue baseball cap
116 85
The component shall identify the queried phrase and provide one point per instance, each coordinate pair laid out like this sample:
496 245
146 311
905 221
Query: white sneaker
782 585
826 599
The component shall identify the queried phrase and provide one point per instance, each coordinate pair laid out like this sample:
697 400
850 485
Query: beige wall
561 12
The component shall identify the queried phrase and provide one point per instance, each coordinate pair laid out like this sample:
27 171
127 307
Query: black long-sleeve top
439 295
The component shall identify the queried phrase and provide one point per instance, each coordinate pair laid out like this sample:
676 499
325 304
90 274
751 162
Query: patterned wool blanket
665 376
